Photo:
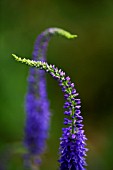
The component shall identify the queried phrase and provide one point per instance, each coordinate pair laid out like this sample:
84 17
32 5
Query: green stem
73 121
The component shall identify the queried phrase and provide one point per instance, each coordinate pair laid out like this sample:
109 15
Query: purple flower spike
37 104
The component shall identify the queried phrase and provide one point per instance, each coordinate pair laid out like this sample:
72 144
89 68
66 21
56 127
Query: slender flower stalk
72 143
37 103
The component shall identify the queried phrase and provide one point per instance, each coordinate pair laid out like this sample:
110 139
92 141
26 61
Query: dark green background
88 60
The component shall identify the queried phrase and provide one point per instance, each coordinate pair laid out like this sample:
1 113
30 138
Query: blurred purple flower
37 104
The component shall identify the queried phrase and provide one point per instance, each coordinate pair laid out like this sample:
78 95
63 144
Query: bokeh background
88 60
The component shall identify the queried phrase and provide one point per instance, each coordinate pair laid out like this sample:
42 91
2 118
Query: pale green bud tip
17 58
27 61
64 33
20 59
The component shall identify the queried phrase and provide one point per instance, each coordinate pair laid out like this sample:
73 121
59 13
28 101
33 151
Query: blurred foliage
88 60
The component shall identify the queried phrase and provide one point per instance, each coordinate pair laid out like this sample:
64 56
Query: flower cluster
37 106
72 143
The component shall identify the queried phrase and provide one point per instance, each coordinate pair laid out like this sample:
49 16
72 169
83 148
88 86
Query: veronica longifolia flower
72 143
37 104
